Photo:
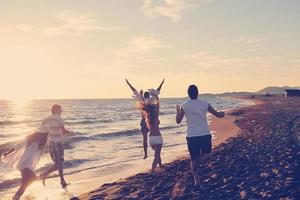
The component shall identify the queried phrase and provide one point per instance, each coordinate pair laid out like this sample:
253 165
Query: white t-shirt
195 112
54 122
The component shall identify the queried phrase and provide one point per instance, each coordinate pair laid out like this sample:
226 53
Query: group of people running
198 134
25 155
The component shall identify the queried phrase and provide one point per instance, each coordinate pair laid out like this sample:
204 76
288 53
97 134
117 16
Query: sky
86 48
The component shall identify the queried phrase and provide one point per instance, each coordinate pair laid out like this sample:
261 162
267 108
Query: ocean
106 144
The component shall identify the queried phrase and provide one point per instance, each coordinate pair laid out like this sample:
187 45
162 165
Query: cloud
76 24
248 43
208 61
25 27
145 43
139 52
73 24
172 9
18 28
248 40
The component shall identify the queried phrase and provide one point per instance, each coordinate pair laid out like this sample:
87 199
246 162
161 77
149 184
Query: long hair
39 138
151 113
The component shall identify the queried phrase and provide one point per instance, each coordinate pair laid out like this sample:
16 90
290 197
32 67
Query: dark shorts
144 127
56 150
199 145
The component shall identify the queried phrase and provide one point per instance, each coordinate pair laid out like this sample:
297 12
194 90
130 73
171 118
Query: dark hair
150 110
193 91
55 108
146 94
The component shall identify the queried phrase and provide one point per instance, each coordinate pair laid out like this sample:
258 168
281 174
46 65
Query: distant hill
230 94
275 90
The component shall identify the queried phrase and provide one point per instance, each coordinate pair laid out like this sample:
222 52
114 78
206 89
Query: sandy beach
95 156
222 130
260 162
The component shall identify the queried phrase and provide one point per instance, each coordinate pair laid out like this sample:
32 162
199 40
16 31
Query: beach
258 160
106 144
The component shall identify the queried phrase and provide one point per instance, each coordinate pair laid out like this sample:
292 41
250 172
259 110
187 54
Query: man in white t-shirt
56 143
198 133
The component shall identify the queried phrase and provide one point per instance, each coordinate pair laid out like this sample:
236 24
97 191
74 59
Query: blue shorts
199 145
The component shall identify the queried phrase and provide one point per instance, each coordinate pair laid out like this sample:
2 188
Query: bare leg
28 177
145 144
45 174
156 160
154 163
195 166
159 157
61 175
56 153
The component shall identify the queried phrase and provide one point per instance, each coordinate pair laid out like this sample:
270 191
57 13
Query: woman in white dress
25 157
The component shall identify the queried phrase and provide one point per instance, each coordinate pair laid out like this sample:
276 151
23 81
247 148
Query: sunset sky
86 48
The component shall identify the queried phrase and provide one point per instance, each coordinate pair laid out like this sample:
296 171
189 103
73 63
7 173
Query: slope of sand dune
261 162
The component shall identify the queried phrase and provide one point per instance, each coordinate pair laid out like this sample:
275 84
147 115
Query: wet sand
223 128
261 162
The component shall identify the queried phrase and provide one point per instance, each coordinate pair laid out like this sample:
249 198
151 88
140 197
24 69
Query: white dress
24 156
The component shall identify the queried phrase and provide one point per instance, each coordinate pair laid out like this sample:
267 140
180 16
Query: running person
56 144
198 133
25 157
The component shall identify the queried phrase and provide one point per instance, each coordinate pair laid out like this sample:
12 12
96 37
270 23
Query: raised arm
157 102
159 87
214 112
131 87
180 114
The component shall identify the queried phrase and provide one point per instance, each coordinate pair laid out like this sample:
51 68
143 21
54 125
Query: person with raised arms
144 98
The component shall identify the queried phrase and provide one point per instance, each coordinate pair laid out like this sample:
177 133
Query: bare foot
196 182
43 179
64 184
16 197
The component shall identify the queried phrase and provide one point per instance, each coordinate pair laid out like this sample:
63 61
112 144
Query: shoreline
88 180
222 129
216 126
261 161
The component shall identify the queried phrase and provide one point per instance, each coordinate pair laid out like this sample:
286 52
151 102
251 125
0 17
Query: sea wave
9 122
88 121
116 134
79 137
